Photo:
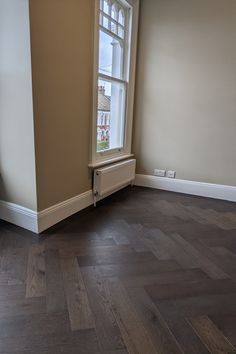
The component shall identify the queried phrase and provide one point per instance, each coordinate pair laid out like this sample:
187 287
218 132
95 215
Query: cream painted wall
185 113
62 59
17 157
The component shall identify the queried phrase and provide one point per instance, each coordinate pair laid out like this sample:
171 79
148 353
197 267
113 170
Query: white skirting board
210 190
61 211
37 222
18 215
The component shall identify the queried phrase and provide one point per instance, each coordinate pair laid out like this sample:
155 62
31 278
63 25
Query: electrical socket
171 174
159 173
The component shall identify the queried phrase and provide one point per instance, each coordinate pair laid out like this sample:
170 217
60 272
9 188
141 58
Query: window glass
106 7
121 17
110 56
112 86
110 115
114 12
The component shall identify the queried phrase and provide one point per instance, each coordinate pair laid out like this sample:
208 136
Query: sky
105 58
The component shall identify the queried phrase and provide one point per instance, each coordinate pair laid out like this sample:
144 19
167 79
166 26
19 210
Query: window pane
121 17
110 115
120 32
105 22
106 7
110 56
114 12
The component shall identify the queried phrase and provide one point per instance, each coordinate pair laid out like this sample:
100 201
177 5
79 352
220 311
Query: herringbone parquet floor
145 272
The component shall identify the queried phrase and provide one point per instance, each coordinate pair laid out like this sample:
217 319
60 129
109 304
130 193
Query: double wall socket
160 173
163 173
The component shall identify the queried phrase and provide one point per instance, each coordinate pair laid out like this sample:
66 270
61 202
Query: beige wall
17 157
186 92
185 111
62 40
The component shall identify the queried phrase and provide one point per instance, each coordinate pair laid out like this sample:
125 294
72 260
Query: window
115 51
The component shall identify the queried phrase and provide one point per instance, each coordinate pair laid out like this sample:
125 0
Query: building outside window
103 119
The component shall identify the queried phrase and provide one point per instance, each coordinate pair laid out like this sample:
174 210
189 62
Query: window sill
109 161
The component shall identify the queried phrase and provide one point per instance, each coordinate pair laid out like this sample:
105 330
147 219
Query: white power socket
171 174
160 173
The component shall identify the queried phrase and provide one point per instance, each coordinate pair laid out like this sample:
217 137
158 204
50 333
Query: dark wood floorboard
145 272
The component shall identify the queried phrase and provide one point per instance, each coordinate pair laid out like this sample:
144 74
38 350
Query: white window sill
109 161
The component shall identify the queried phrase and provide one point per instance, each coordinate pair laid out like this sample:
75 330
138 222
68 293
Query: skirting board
61 211
18 215
37 222
209 190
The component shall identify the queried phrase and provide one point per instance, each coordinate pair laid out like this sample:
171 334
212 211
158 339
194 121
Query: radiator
112 178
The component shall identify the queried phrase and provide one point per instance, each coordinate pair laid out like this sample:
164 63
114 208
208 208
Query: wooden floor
145 272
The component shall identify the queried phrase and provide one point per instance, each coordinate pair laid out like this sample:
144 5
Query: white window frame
107 156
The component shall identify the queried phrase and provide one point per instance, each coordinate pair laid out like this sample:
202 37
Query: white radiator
112 178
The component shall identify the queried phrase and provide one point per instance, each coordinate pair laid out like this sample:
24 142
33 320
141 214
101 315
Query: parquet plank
107 330
36 280
55 294
201 261
185 336
167 248
82 342
153 267
14 265
198 305
226 324
135 335
80 313
118 258
162 338
26 324
223 258
211 336
168 277
189 289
